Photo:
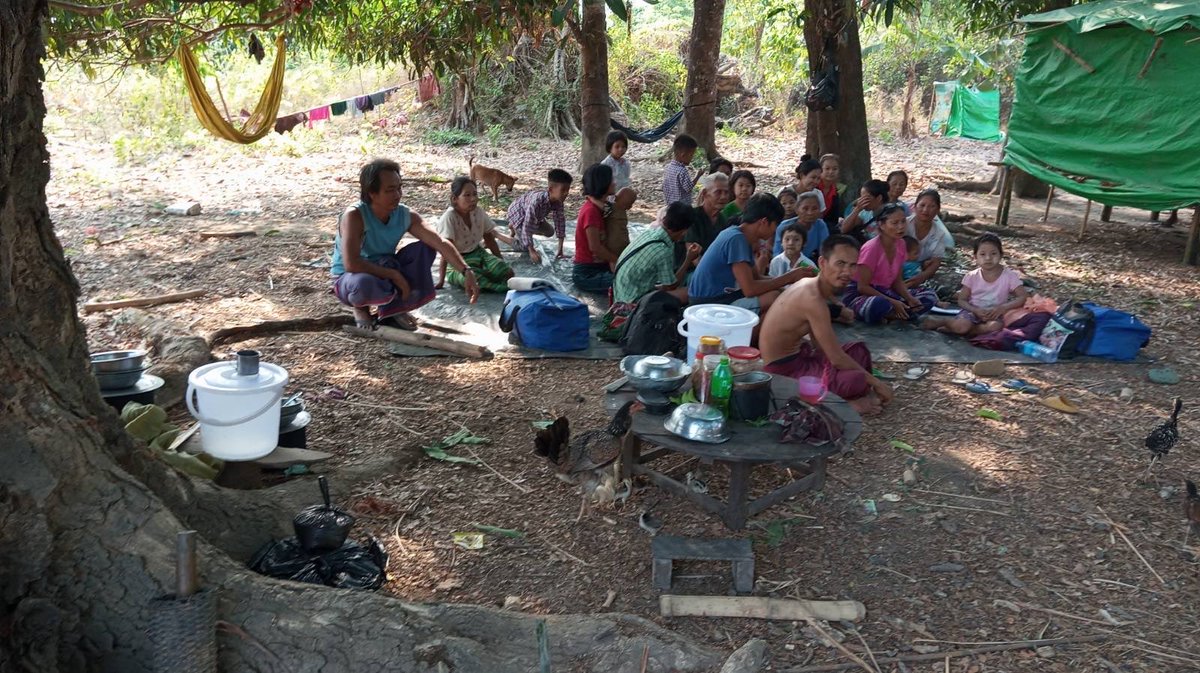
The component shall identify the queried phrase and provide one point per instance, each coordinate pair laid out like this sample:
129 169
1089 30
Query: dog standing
491 177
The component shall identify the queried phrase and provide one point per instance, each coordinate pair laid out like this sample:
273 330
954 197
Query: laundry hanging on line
355 105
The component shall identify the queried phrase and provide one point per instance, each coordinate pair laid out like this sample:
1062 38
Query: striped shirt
529 212
677 183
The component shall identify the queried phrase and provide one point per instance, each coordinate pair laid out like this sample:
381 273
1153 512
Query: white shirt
466 236
780 264
935 242
621 170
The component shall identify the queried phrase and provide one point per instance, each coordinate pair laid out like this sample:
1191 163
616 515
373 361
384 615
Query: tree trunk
842 131
85 537
462 111
700 96
908 125
593 49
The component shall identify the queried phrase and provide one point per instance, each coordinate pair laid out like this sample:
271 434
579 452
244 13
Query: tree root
243 332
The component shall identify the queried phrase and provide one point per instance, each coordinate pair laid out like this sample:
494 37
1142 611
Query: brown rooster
586 457
1191 509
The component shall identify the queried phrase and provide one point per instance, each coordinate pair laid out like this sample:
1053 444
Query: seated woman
741 185
808 216
473 234
932 236
368 270
808 176
878 291
861 217
594 262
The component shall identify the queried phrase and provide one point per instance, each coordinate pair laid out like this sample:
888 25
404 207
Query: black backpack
652 329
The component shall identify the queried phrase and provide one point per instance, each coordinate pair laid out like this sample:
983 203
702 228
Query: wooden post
1049 200
1087 212
1004 180
1006 196
1193 245
1106 214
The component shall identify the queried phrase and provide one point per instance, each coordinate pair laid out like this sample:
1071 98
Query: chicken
1191 509
588 458
1164 437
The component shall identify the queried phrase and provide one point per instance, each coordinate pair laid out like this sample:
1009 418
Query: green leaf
618 9
541 425
758 422
989 413
438 453
688 396
903 446
558 16
493 530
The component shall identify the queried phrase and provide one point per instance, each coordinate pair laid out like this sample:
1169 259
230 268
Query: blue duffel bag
546 319
1116 335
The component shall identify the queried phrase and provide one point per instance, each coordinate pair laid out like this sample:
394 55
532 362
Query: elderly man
368 270
803 311
707 219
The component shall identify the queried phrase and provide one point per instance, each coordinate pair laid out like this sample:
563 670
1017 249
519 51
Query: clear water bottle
1037 351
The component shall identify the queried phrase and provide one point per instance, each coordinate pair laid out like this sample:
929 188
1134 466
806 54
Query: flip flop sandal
1059 403
1022 386
988 368
962 377
882 375
980 387
916 373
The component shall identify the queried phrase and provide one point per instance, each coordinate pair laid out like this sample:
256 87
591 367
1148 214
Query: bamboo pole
1049 200
98 306
1075 57
1150 58
1087 212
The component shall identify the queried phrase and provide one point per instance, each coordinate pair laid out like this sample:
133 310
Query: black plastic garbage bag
351 566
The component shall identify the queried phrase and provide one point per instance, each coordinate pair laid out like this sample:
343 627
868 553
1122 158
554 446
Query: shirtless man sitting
803 310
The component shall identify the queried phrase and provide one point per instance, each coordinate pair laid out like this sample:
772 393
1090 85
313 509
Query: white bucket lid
223 377
731 317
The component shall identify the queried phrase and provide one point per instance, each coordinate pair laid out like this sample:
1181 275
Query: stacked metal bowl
118 370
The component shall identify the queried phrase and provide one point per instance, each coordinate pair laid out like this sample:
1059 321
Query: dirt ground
1034 526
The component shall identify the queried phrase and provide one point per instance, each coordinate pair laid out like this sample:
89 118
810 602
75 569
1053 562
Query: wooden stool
665 549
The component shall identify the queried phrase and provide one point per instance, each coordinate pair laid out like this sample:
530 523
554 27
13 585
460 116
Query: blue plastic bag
1116 335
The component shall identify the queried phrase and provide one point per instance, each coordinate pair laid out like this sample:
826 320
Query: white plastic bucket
238 414
734 324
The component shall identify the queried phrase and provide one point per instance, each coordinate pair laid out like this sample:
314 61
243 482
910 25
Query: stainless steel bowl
655 372
699 423
289 409
119 380
118 361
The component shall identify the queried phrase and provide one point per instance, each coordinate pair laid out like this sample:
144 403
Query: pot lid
223 376
719 314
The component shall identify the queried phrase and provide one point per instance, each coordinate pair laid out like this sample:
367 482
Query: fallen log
420 339
98 306
755 607
243 332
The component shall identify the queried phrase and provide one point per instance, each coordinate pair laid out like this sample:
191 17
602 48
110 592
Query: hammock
653 135
259 124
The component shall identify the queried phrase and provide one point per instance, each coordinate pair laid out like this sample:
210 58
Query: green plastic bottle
722 387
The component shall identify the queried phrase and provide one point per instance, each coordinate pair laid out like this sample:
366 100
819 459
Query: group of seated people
867 261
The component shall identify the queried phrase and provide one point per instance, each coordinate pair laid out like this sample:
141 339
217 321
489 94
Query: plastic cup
811 389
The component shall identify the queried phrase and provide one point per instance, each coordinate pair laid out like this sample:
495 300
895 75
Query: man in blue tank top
368 269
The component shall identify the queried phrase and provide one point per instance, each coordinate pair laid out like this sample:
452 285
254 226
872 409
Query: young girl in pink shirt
987 293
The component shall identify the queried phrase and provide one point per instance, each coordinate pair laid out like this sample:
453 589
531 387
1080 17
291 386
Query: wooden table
748 448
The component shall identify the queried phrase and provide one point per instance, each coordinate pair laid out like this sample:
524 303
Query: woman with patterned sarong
878 292
369 272
474 235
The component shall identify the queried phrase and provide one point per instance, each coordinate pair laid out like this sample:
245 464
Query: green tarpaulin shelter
966 112
1106 103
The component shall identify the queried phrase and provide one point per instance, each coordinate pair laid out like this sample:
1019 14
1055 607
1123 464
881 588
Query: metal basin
289 409
655 372
699 423
119 380
108 362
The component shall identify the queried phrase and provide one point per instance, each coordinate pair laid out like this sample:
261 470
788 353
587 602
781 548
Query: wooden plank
705 502
755 607
142 301
737 505
700 549
783 493
420 339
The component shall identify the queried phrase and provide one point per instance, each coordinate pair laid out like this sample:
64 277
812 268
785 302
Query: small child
787 199
527 215
617 144
987 293
677 180
912 267
792 257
